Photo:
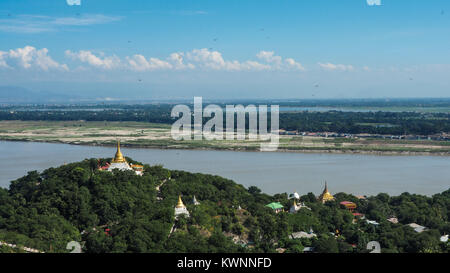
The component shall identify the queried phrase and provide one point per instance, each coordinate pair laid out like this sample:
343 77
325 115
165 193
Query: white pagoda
195 202
180 208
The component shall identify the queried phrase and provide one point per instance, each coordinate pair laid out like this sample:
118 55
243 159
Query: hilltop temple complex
119 162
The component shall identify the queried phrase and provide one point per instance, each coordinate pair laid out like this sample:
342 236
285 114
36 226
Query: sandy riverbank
147 135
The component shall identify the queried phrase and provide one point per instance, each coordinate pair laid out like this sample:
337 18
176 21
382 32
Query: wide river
273 172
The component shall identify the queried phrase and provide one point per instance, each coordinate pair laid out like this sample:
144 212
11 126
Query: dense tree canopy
123 212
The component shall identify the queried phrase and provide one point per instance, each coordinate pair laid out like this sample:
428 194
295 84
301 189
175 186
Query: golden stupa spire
326 187
326 195
180 202
118 158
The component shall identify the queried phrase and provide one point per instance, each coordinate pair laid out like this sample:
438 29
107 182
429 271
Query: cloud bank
202 59
29 58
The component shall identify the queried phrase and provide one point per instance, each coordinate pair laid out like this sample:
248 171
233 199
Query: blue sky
227 49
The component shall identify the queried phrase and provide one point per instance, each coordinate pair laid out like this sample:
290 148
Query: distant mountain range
15 94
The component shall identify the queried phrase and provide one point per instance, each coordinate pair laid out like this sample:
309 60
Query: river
273 172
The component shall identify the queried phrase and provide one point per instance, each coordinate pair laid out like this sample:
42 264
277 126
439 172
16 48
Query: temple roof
275 205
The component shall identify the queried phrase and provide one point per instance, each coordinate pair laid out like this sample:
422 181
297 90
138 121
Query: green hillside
123 212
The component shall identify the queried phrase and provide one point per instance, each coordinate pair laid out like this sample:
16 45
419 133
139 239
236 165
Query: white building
302 234
417 228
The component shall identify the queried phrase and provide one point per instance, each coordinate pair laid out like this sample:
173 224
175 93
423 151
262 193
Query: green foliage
120 212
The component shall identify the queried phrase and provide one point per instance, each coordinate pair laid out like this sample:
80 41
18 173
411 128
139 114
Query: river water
273 172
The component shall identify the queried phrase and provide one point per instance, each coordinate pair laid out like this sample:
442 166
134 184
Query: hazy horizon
226 49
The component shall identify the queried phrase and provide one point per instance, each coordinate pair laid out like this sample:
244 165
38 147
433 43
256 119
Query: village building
393 220
372 222
302 234
138 169
275 206
348 205
417 228
308 249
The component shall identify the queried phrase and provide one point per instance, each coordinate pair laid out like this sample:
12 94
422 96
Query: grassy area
140 134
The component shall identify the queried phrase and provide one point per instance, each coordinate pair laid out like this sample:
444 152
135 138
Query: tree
326 244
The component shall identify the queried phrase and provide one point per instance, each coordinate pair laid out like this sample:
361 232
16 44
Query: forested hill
123 212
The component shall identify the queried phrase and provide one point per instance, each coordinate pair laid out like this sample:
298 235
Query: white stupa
294 208
294 195
180 208
119 161
195 202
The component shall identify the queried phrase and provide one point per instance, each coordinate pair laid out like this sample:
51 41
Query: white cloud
177 59
29 58
291 63
373 2
140 63
341 67
136 62
73 2
206 59
269 56
2 59
277 62
252 65
195 59
86 56
202 59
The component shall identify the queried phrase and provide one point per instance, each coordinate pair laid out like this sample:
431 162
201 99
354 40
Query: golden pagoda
326 195
180 203
180 208
119 162
118 158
